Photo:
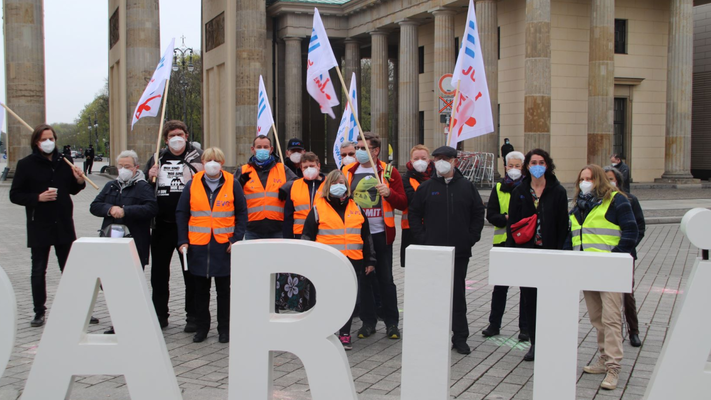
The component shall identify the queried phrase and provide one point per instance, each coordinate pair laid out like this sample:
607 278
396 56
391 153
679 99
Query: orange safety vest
333 231
405 223
264 203
388 212
218 221
301 198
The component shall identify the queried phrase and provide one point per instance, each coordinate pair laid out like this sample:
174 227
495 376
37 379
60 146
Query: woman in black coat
128 200
42 184
540 193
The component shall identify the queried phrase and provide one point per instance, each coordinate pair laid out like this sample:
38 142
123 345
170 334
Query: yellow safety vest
596 233
504 199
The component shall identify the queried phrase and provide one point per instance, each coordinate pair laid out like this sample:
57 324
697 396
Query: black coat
139 207
447 214
51 222
493 207
552 212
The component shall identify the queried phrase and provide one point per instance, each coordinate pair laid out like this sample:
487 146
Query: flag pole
451 118
276 139
355 116
162 120
22 121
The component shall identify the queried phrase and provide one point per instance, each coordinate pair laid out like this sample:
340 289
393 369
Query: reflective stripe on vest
388 212
218 221
333 231
504 199
301 197
405 223
264 203
596 233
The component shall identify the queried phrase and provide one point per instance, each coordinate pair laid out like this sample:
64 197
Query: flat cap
445 151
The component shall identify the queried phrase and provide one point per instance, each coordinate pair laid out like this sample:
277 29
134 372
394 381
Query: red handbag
523 230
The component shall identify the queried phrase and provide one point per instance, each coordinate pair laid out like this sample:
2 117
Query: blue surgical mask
261 154
338 190
362 156
538 170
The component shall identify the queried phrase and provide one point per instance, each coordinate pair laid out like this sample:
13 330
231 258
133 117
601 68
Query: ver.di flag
347 130
149 104
264 111
472 113
320 61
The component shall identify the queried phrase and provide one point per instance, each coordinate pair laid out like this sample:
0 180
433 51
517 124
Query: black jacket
52 222
639 217
552 212
447 214
493 207
139 207
625 171
296 170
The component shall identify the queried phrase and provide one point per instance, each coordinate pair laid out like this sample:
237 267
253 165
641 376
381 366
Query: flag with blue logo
149 104
347 130
471 115
265 120
320 61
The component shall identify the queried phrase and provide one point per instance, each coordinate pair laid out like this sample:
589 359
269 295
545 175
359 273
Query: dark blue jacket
620 213
212 259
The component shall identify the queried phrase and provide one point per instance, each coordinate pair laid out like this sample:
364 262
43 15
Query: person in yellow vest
211 216
261 178
337 221
379 201
497 213
295 292
419 169
602 220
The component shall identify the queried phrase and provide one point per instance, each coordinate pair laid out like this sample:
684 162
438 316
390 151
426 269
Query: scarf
421 176
262 164
587 202
512 183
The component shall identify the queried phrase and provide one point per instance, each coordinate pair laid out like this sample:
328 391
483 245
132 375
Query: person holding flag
347 130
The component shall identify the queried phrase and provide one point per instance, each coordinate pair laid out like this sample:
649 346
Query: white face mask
176 143
586 187
514 173
212 168
310 173
295 158
613 183
47 145
125 174
443 167
420 165
348 160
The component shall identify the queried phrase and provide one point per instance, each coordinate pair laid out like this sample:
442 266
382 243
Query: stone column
537 76
601 81
408 91
251 27
487 17
352 64
677 155
295 90
24 73
379 90
443 64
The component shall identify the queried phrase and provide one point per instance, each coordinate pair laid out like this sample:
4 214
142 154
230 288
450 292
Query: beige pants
604 309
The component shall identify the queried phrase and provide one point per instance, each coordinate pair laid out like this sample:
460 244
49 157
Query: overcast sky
76 49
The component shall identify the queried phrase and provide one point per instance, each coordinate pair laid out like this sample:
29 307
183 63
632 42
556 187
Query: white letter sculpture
137 350
426 353
8 314
559 277
257 330
682 371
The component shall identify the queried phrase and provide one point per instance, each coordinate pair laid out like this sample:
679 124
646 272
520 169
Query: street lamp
186 54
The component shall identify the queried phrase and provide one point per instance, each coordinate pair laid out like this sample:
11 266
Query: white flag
264 111
348 129
320 60
472 113
149 104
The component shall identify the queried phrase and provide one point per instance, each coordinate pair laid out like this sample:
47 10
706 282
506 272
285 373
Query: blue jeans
249 235
386 285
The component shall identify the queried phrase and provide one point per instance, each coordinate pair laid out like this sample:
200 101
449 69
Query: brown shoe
610 381
597 368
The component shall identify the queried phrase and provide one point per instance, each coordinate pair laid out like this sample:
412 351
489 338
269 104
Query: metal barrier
478 167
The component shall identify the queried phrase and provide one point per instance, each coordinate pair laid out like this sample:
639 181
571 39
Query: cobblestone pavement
494 370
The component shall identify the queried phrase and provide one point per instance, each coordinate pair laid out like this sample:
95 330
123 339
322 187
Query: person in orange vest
334 210
378 197
211 216
419 169
261 178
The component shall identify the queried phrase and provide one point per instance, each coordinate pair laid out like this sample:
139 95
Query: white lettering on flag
472 112
347 130
320 61
149 104
264 111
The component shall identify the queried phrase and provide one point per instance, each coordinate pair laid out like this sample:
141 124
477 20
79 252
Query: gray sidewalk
494 370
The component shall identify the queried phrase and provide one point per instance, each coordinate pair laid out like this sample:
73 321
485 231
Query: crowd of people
187 202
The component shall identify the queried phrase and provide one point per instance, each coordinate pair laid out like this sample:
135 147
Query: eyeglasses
364 148
352 154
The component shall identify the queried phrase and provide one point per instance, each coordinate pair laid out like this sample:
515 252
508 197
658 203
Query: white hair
347 143
128 153
515 155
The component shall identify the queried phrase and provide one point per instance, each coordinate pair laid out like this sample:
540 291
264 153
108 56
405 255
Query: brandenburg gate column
443 64
408 91
294 92
537 76
379 90
352 64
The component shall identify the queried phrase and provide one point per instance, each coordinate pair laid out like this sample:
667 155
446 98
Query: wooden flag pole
360 129
162 120
276 139
451 117
22 121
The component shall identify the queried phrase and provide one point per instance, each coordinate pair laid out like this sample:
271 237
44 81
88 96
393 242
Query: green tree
95 112
184 100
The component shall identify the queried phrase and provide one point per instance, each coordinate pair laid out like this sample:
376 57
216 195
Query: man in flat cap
448 211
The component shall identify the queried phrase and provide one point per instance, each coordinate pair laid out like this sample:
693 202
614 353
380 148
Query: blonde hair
332 178
420 147
601 185
213 153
